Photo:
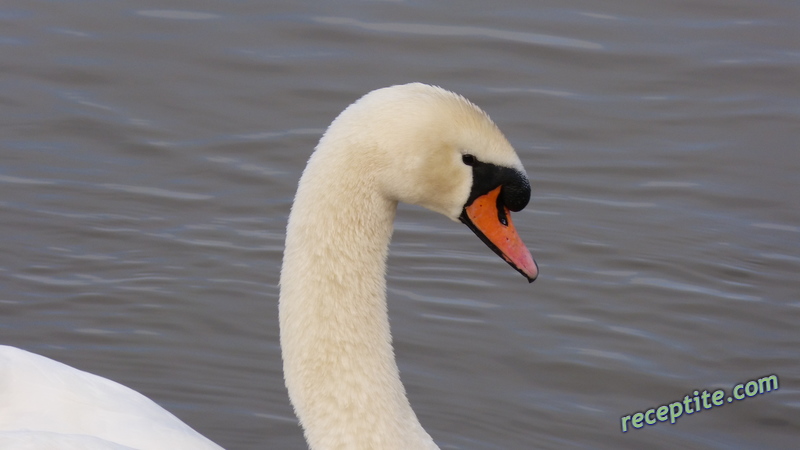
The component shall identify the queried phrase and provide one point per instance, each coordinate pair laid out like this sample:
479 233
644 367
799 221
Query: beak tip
532 274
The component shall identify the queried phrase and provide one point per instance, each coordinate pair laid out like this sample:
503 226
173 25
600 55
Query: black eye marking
516 188
468 159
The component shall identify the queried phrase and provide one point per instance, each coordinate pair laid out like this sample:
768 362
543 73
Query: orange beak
491 221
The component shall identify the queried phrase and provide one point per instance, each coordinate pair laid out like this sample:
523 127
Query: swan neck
336 343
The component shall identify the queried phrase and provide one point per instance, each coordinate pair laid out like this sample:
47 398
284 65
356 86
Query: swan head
427 146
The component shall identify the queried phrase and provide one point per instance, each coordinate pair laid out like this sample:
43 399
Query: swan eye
468 159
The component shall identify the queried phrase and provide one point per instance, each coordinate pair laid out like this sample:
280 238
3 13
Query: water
150 154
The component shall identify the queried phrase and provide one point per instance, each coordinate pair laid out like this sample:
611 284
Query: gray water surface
149 154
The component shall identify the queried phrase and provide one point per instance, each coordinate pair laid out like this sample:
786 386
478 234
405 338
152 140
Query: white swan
413 143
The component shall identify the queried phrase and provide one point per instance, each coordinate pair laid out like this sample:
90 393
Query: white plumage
399 144
45 404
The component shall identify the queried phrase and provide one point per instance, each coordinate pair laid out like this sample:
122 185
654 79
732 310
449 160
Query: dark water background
149 154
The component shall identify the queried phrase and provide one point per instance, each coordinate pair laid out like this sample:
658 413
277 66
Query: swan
413 143
410 143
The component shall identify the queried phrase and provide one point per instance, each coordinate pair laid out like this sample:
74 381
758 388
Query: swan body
412 143
45 404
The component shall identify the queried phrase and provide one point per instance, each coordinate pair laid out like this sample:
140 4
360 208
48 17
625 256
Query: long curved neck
337 351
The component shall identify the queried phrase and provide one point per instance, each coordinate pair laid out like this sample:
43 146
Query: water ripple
685 287
177 14
461 31
156 192
23 180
